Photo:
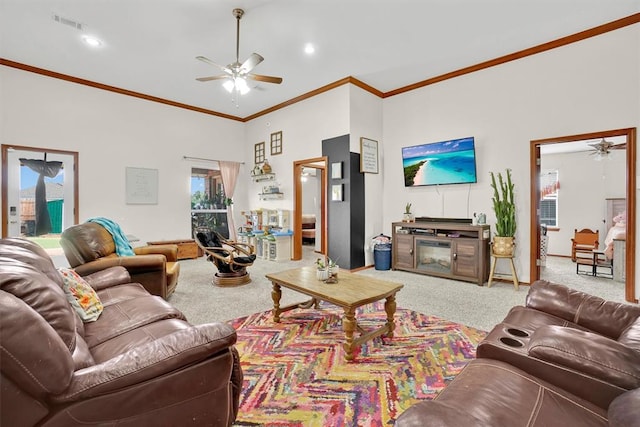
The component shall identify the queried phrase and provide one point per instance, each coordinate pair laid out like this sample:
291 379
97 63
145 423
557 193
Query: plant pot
503 246
322 274
407 217
333 270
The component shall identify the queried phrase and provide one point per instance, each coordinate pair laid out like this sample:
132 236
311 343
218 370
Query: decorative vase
322 274
503 245
256 170
407 217
266 167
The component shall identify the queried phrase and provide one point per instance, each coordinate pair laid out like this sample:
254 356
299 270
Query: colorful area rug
295 373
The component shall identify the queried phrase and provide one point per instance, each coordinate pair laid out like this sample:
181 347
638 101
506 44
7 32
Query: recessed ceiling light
92 41
309 49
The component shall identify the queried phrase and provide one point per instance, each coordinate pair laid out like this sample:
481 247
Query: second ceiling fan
603 147
237 72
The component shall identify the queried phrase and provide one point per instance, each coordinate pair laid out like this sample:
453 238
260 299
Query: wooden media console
452 250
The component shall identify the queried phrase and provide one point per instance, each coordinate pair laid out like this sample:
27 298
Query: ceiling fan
237 73
602 148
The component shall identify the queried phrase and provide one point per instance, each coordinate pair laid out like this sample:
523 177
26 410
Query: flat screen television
436 163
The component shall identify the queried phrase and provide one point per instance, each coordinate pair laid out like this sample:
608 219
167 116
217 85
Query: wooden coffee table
351 291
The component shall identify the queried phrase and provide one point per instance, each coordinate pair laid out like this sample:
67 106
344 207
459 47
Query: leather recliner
565 358
586 345
139 364
89 247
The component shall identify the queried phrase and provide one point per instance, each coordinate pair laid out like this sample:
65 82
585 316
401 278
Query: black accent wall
346 217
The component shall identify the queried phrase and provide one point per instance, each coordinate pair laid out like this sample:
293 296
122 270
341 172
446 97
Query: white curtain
230 172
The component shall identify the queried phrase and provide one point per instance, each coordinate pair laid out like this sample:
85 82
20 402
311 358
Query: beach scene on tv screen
446 162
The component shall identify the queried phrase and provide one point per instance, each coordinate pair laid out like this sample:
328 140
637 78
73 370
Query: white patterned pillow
82 297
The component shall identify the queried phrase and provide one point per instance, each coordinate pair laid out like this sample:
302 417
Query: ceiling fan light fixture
236 74
241 85
237 84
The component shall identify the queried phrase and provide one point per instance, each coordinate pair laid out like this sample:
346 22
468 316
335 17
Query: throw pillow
82 297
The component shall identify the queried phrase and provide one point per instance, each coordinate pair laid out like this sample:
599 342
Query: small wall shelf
271 196
264 177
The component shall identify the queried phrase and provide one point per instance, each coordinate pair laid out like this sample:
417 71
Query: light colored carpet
461 302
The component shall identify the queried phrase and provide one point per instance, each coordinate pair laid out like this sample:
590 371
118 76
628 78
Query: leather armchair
89 247
140 363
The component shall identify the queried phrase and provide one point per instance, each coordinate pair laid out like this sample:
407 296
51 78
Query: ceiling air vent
66 21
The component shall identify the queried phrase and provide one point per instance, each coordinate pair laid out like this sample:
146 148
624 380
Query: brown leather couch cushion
494 393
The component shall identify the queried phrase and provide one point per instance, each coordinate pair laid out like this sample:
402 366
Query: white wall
110 132
366 121
584 87
585 184
304 125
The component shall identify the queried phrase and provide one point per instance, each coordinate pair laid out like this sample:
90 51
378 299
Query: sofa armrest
588 353
169 251
604 317
434 413
106 278
178 350
134 264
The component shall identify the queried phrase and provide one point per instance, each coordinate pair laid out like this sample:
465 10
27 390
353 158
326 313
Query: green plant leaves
503 204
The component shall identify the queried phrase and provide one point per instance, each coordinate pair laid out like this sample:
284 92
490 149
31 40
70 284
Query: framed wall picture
276 143
368 155
336 192
336 170
258 153
141 186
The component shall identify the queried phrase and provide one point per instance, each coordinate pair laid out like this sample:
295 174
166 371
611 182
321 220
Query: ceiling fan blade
266 79
622 146
208 79
250 63
210 62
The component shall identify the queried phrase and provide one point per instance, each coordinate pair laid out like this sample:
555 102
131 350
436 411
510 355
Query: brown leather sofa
565 358
139 364
89 247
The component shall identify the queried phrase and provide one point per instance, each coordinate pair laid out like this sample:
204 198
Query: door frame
5 176
534 228
319 163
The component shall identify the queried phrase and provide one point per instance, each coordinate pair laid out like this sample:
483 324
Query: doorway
19 183
301 170
629 136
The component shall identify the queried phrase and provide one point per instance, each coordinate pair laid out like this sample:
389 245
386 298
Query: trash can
381 252
382 256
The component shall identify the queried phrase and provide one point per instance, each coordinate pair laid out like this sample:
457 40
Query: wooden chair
584 242
230 258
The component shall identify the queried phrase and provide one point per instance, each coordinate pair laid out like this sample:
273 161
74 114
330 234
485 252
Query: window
276 143
208 201
549 186
258 153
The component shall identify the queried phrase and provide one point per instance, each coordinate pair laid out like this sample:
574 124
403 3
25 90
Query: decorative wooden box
187 248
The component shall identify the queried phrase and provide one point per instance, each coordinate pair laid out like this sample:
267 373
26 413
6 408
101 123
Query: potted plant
505 210
322 272
408 216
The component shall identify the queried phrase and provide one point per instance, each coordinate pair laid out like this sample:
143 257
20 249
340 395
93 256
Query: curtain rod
203 159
